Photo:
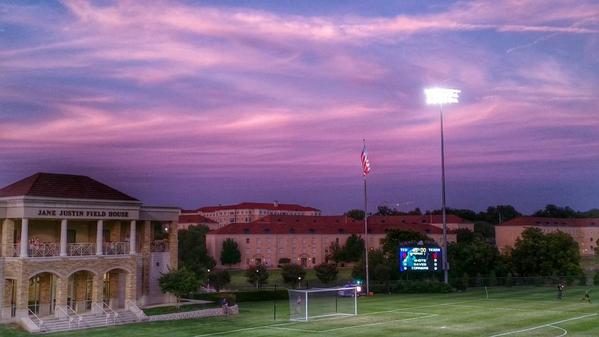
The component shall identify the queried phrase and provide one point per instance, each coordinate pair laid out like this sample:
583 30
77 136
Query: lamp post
440 96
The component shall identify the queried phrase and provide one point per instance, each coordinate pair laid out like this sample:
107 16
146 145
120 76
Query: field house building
305 240
245 212
70 244
584 230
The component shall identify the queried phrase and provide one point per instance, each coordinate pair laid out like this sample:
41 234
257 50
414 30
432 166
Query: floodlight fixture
440 96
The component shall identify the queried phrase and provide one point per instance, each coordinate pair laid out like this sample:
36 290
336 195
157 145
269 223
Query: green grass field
518 311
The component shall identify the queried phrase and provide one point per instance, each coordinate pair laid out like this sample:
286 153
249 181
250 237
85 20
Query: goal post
308 304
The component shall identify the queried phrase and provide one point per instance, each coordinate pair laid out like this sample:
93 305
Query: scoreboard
420 258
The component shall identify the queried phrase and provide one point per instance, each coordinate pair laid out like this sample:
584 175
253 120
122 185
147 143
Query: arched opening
42 293
79 291
114 289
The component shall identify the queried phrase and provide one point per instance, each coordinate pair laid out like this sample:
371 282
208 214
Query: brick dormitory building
71 245
305 240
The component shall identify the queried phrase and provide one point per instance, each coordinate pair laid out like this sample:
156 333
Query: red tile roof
532 221
65 186
338 224
194 218
259 205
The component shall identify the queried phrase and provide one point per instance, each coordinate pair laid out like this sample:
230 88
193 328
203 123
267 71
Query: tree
597 247
179 282
465 235
499 214
553 211
326 272
539 254
192 250
395 237
257 275
230 253
472 255
354 248
386 210
293 273
336 252
218 279
356 214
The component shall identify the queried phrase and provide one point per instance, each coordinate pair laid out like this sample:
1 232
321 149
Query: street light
440 96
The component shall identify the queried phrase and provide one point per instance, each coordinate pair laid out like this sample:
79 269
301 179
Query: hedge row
243 296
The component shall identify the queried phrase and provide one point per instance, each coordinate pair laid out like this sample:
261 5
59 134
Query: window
313 260
247 240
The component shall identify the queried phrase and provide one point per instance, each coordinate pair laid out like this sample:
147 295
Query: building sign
78 213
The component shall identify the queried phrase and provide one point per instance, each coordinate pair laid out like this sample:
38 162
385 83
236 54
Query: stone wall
233 310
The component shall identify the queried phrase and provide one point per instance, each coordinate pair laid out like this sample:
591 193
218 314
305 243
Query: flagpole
366 235
366 231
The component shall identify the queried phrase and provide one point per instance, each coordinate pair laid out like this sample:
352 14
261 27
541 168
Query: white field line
281 325
504 308
557 327
545 325
294 329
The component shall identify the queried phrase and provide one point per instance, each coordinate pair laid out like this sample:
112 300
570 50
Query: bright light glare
441 95
359 289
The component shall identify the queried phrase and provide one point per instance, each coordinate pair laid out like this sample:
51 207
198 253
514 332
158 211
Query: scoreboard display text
420 258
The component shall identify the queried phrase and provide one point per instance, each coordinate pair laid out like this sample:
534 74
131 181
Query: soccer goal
308 304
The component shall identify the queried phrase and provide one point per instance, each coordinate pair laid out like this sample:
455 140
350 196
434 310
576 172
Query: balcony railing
116 248
159 246
44 249
81 249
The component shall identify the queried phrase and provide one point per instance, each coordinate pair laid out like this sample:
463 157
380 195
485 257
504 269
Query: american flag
365 161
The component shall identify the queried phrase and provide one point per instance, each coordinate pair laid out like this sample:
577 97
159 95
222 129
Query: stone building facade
72 244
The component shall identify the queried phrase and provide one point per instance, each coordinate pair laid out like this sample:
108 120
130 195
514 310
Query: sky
197 103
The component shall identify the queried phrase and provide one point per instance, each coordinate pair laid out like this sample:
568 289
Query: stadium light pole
441 96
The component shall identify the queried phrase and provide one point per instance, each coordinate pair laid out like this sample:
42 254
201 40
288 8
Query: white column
99 238
24 237
132 238
63 237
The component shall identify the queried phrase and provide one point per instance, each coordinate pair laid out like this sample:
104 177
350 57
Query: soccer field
518 311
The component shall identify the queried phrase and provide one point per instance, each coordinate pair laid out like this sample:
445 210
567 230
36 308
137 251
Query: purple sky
205 102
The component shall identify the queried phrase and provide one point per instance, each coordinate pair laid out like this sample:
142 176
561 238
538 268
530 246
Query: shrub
257 275
219 279
326 272
293 273
596 278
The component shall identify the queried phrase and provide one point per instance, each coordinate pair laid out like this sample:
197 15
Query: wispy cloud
234 91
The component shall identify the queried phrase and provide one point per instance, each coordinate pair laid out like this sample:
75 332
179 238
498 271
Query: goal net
307 304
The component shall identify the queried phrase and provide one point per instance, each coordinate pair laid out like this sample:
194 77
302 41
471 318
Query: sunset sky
196 103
